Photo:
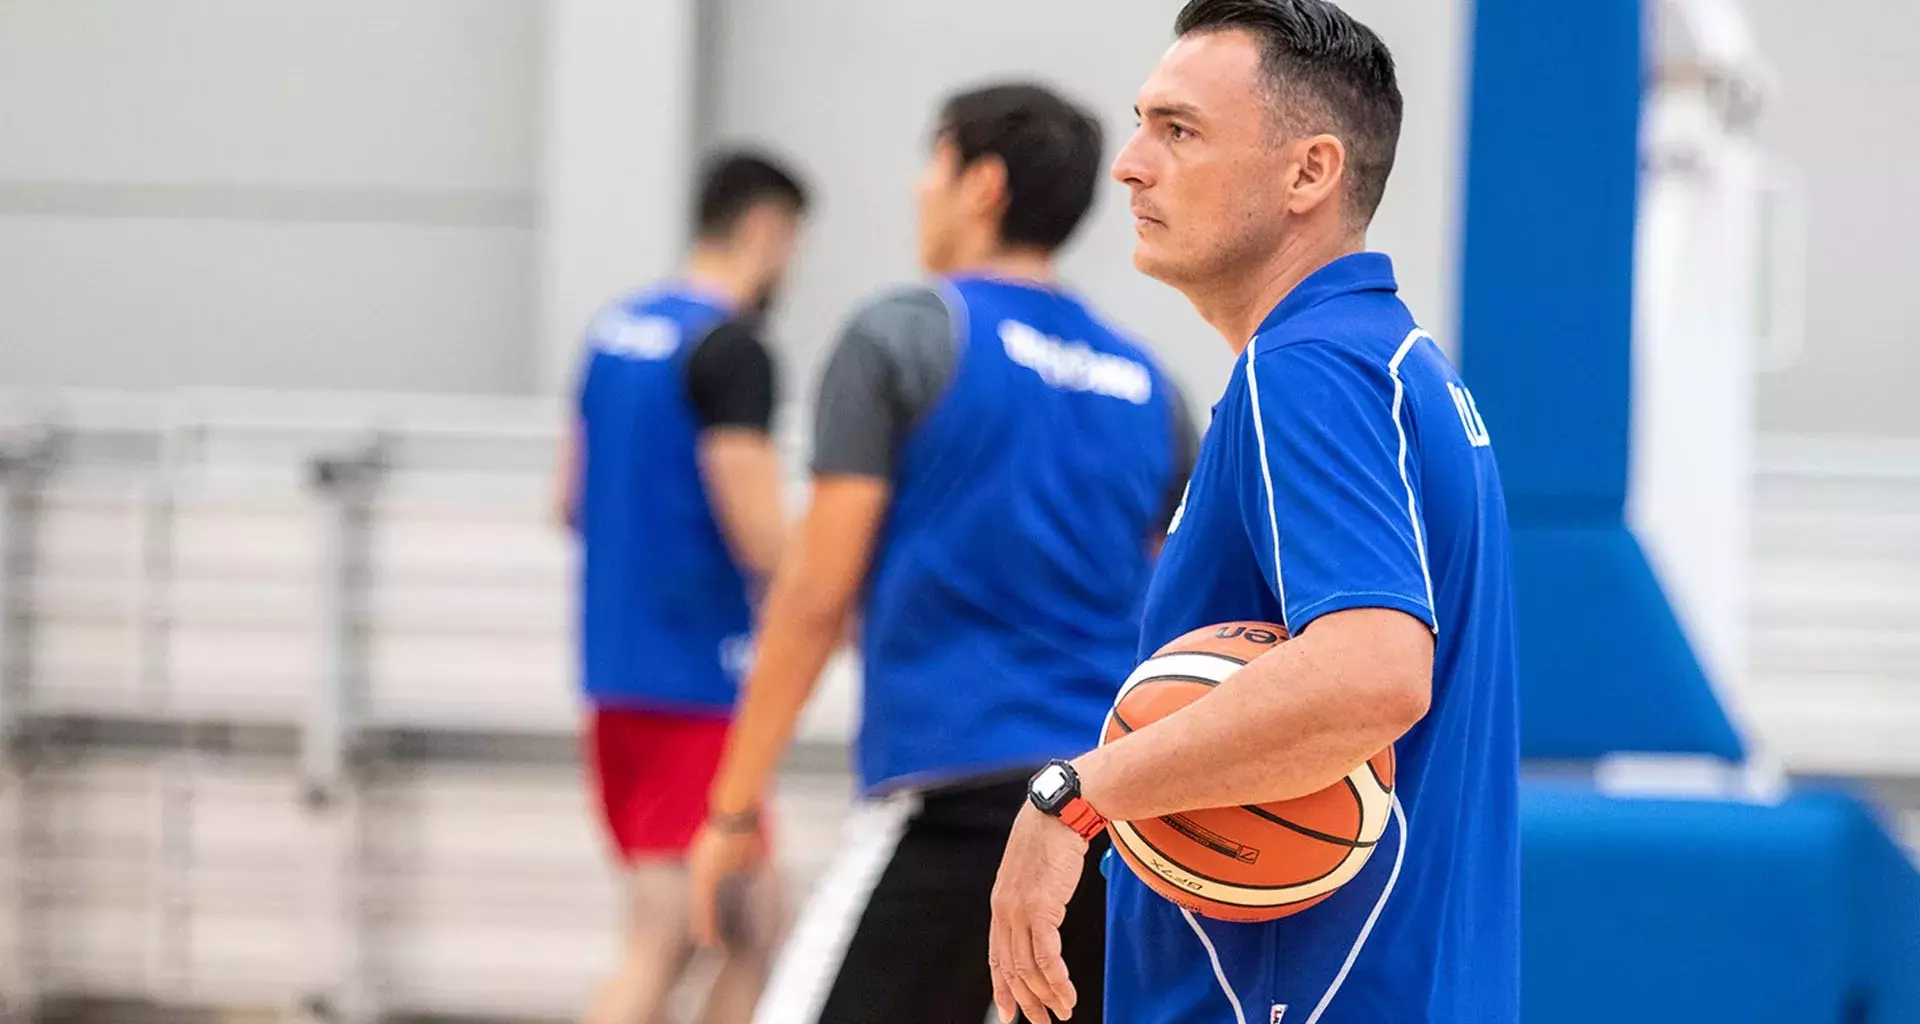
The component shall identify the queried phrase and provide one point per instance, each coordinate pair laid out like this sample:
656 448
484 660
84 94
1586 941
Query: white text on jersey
1469 415
1074 366
647 337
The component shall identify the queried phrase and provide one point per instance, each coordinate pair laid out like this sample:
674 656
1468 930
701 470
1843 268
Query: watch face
1051 784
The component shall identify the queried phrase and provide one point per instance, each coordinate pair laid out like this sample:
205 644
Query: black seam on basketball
1142 836
1359 802
1378 781
1174 678
1124 727
1263 813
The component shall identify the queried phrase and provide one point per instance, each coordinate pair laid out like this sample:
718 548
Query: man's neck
1013 264
1236 305
717 275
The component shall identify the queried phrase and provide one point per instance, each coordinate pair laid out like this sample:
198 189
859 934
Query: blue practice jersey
664 617
1346 467
1003 603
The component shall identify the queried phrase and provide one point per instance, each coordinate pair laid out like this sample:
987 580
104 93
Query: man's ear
1316 174
983 186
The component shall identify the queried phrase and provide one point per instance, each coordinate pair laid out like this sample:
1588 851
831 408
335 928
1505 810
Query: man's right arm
1342 548
732 385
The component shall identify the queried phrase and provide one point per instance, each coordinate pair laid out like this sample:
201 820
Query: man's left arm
1330 503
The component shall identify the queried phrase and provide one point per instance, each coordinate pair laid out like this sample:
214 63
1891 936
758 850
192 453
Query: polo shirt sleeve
1329 497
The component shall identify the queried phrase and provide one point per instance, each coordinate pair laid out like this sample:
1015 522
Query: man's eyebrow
1166 110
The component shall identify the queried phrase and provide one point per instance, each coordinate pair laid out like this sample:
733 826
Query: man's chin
1149 260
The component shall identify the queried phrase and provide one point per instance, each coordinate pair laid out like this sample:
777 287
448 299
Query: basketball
1256 862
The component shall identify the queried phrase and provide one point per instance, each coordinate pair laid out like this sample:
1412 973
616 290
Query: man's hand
716 857
1038 874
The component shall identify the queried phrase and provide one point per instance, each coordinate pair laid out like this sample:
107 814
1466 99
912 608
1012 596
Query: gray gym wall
348 194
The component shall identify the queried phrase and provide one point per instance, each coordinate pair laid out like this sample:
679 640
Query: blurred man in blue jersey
993 467
671 481
1347 488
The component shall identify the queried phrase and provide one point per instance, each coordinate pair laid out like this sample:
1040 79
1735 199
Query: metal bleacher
289 711
287 698
1836 641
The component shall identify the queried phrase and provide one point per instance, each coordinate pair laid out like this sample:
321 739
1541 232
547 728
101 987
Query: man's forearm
566 478
1293 722
801 623
796 638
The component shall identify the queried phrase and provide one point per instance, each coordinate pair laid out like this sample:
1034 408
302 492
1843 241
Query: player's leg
752 921
650 773
884 936
655 949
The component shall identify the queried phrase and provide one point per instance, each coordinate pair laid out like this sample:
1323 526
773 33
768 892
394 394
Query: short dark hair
733 182
1051 149
1328 73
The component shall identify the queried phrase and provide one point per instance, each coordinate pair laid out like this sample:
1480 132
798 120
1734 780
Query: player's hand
1038 874
717 857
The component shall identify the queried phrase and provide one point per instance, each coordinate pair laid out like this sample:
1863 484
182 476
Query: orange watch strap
1082 818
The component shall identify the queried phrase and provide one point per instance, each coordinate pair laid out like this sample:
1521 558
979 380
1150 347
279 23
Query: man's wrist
1091 767
1055 792
734 808
740 822
1087 767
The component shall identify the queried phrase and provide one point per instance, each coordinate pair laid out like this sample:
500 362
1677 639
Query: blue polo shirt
1347 466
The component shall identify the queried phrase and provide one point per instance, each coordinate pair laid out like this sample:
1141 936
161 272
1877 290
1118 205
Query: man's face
770 231
939 205
1203 166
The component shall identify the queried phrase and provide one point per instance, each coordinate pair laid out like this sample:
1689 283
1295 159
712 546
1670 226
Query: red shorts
653 770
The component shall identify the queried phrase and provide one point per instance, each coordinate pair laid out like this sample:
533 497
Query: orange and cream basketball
1255 862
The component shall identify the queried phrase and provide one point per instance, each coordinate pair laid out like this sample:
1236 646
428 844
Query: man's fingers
1053 971
1029 983
706 929
1001 971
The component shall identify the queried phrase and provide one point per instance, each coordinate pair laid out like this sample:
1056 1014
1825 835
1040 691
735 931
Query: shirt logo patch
1279 1011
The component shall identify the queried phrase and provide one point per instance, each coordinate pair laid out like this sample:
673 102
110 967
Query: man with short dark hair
671 481
993 468
1346 489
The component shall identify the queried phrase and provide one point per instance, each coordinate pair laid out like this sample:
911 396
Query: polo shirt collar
1355 272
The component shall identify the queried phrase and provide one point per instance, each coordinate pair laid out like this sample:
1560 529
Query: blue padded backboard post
1546 322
